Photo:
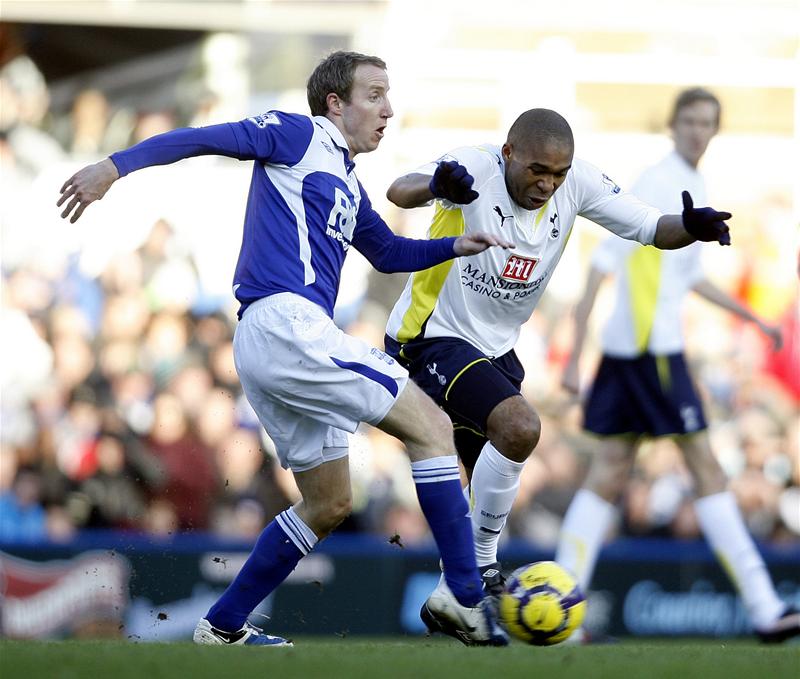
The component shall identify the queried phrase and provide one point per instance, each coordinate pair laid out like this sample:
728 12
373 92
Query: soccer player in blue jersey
309 382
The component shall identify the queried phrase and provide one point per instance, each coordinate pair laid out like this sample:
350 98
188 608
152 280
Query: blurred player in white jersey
309 382
643 387
456 324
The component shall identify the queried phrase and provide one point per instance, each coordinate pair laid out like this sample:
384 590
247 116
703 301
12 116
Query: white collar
333 132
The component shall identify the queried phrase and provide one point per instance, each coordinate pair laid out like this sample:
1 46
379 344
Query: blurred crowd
121 408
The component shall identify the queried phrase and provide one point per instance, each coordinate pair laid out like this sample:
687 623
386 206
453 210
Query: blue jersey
304 210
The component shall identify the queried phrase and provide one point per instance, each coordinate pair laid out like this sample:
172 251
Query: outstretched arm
694 223
86 186
570 380
410 190
93 181
705 288
671 234
389 253
450 181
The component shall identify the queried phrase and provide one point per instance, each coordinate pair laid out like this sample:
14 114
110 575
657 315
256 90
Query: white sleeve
605 203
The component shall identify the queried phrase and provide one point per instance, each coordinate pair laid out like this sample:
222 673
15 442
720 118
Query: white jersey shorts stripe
308 381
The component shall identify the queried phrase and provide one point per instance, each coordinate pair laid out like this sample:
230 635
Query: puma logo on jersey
502 216
518 268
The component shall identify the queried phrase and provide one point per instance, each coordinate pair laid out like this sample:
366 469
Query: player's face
363 119
693 128
535 171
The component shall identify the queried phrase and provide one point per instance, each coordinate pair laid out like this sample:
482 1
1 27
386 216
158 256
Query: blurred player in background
309 382
643 387
455 325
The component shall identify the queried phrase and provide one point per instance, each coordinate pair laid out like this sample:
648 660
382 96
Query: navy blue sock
439 491
280 546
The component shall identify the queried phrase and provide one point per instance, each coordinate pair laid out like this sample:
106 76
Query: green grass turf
417 658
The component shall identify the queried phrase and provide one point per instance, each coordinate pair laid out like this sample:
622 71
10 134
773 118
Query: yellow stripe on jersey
429 283
644 274
539 216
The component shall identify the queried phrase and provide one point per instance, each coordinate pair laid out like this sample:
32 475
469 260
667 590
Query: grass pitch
355 658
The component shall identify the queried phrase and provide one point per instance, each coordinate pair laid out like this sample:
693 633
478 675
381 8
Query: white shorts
308 381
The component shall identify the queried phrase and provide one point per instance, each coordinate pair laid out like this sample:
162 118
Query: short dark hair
335 74
540 125
692 96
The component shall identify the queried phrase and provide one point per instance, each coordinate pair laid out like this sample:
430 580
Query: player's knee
327 515
518 438
443 428
437 438
710 479
340 510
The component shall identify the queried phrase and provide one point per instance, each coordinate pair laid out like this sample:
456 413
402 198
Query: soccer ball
541 604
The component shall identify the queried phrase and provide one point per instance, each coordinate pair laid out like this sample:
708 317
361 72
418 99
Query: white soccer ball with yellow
541 604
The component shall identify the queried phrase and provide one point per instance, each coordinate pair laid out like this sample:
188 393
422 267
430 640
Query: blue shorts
649 394
463 381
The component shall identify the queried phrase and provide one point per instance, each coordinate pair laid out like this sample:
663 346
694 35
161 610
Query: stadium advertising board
350 586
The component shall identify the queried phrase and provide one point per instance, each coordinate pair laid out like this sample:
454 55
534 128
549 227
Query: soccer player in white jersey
309 382
643 387
456 324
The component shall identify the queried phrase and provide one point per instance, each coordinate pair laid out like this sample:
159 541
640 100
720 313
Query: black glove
452 182
705 223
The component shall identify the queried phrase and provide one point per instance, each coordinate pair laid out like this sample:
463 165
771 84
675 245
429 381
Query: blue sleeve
272 137
390 253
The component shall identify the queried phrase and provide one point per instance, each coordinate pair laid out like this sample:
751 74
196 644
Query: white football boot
475 626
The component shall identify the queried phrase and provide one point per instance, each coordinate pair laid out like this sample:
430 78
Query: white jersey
485 298
651 284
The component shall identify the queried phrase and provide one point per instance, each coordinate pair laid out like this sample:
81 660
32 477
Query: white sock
494 485
583 531
724 528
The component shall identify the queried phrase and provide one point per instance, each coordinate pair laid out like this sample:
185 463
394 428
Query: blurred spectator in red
191 480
